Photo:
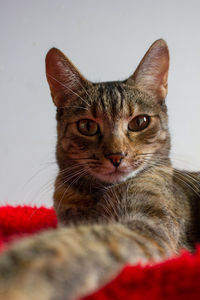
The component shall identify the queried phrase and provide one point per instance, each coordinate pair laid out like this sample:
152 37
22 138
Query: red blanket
177 278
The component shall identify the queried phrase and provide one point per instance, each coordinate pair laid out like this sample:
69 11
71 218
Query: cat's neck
89 192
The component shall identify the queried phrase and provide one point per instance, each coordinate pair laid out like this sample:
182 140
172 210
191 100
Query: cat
117 197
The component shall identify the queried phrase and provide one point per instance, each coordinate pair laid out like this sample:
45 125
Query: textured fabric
177 278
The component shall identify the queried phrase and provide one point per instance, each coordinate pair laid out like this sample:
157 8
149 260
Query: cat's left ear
151 75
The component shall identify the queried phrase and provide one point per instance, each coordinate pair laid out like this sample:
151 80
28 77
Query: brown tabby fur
145 214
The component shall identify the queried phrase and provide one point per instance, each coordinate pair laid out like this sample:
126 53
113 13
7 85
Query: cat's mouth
116 175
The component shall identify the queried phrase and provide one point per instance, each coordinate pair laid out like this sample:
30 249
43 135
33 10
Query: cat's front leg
68 263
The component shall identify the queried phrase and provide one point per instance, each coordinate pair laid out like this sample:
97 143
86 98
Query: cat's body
116 192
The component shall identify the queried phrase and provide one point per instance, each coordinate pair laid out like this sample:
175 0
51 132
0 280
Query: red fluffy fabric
177 278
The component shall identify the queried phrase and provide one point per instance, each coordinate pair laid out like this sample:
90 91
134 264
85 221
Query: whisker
81 174
74 106
81 85
180 176
69 89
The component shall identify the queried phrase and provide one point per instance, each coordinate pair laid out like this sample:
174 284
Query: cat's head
110 131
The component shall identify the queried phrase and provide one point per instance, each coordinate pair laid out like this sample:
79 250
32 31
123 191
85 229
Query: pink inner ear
152 73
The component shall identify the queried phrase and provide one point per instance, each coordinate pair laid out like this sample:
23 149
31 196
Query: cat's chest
115 203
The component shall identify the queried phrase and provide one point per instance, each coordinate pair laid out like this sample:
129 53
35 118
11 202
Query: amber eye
87 127
139 123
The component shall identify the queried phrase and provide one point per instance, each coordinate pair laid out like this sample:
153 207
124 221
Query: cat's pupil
90 126
87 127
140 121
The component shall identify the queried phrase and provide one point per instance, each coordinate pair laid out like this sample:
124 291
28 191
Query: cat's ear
65 81
151 74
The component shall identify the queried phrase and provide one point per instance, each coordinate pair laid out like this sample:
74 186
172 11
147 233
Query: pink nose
115 158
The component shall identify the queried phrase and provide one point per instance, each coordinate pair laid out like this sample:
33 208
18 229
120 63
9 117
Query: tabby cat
117 197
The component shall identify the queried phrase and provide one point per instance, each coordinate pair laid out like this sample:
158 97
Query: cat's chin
116 176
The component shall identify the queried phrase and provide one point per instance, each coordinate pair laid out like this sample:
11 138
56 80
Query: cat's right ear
65 81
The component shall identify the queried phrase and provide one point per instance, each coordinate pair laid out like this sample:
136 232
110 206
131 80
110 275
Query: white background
105 40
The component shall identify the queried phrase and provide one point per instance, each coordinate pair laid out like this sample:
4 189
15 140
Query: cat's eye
88 127
139 123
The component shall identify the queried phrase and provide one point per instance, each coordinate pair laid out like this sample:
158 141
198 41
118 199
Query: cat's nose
115 158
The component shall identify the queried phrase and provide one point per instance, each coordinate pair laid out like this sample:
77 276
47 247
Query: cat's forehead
117 99
110 100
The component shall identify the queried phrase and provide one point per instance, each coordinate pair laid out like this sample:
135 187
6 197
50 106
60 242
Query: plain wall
105 40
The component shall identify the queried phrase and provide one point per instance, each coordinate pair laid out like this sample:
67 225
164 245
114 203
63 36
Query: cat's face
110 131
115 134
